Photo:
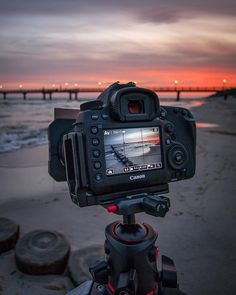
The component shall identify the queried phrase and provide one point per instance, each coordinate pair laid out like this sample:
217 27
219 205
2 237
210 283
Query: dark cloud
176 61
171 11
147 11
124 65
65 38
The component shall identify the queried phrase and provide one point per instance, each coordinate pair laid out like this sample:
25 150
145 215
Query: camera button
94 117
179 157
97 165
96 153
169 128
94 130
95 141
105 116
98 177
163 113
168 141
176 110
184 112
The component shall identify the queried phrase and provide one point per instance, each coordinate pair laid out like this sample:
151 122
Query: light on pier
224 82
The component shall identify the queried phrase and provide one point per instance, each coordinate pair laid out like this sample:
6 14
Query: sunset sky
45 42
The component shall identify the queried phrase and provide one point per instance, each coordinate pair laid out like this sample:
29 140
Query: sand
198 232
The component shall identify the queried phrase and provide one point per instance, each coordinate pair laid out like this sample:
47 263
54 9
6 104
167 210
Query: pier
72 93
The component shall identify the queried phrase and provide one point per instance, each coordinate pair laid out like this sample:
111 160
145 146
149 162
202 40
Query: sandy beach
198 232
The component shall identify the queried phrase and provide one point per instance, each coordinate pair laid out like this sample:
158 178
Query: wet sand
198 232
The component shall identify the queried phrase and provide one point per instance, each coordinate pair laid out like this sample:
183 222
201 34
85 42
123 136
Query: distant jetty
47 93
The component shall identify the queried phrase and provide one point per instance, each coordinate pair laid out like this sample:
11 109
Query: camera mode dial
177 157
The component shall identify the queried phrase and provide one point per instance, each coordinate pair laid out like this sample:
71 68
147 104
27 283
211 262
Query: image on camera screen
132 150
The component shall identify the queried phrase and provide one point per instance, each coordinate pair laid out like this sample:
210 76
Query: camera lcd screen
132 150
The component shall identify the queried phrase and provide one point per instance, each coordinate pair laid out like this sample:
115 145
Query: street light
1 87
224 82
20 86
53 85
99 83
176 82
66 84
76 84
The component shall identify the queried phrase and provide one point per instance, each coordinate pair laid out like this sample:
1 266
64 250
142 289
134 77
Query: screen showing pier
132 150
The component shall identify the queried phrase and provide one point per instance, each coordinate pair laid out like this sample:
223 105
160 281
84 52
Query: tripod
130 265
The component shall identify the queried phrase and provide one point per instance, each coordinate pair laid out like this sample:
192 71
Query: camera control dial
177 157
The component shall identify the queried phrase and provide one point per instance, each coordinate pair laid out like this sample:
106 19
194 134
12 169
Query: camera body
122 144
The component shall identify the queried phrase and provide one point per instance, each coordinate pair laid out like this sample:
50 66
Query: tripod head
130 265
152 204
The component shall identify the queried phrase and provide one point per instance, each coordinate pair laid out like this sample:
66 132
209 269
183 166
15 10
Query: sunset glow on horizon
56 42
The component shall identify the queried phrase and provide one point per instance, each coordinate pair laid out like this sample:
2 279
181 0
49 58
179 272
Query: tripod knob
99 272
156 205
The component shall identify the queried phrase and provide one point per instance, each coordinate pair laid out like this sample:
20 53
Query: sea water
24 123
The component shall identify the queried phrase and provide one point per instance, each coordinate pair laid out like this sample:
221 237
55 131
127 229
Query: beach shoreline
198 232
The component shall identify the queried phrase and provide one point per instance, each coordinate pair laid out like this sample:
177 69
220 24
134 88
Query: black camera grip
75 166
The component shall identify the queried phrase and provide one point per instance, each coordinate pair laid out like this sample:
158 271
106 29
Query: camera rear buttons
98 177
94 130
168 141
177 157
105 116
96 153
169 127
94 117
95 141
175 110
184 112
97 165
163 114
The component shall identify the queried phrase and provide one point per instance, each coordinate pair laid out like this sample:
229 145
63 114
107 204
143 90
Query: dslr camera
121 144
